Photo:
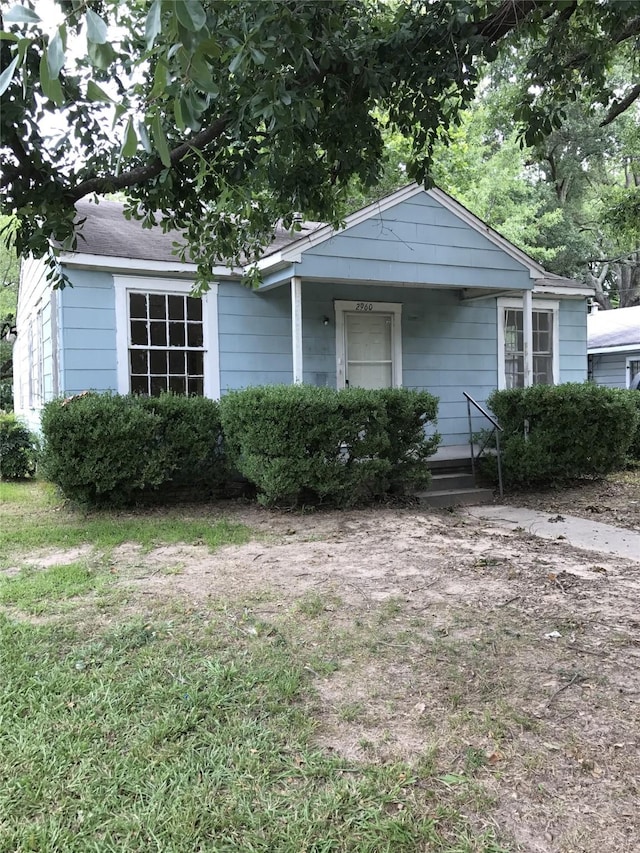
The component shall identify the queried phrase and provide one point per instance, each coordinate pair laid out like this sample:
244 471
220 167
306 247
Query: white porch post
527 329
296 328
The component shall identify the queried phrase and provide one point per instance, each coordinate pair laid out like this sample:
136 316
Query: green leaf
130 145
21 15
55 56
177 111
258 56
51 89
161 81
143 136
191 15
96 93
7 75
153 23
100 55
96 28
236 62
160 141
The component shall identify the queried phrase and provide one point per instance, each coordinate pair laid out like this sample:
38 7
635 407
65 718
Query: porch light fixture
325 321
8 332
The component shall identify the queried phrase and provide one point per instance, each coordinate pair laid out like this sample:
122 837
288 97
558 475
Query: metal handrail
497 429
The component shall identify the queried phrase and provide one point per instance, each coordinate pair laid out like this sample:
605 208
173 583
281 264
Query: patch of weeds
312 604
390 609
33 589
474 759
349 712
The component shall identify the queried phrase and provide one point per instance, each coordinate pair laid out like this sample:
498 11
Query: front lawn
147 721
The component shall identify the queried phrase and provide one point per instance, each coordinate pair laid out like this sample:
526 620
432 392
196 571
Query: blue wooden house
413 291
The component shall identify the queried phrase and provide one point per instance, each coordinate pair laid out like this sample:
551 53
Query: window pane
195 363
194 334
138 305
542 370
139 385
178 384
139 333
176 307
158 334
158 385
177 363
176 334
514 372
157 306
139 361
194 308
196 386
158 361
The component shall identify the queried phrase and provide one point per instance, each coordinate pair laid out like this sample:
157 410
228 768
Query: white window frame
35 350
124 284
506 302
628 373
343 307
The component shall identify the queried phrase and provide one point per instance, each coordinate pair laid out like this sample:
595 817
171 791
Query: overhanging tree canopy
226 115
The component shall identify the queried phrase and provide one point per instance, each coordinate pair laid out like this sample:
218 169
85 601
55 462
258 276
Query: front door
368 345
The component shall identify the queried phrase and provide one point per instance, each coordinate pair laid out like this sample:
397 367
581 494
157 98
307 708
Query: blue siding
573 340
255 336
447 346
88 333
417 241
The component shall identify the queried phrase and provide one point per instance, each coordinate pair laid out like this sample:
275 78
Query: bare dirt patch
506 665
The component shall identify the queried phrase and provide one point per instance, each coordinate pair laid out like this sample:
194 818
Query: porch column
296 328
527 330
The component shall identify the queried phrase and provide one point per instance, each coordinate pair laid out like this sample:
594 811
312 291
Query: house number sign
364 306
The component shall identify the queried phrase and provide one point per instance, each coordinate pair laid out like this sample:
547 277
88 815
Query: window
633 369
163 339
36 359
511 343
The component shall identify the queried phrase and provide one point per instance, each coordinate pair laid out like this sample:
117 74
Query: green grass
32 589
33 518
189 728
157 737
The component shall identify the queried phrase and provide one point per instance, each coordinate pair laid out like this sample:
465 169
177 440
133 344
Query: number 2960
364 306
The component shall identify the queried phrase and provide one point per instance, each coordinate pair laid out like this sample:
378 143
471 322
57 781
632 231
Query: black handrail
497 429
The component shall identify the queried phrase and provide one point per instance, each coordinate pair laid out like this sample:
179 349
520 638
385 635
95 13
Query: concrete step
451 480
455 497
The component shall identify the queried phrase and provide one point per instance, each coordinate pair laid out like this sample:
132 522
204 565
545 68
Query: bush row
293 443
554 434
18 449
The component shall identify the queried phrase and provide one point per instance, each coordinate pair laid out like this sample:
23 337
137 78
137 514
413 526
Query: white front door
368 345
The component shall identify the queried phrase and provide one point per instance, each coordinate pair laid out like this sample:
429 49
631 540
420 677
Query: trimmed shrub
107 449
18 449
299 442
572 431
634 447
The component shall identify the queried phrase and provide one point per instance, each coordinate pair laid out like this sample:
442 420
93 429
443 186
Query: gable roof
619 327
292 253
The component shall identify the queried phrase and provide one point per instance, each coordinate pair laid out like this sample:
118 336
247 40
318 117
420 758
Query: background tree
227 115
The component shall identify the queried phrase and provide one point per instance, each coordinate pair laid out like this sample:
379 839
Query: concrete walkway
579 532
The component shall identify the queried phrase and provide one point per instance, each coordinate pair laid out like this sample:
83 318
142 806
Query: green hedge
573 431
634 447
299 443
18 449
104 449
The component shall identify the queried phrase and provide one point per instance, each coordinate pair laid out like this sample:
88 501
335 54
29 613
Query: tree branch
506 18
619 107
141 174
